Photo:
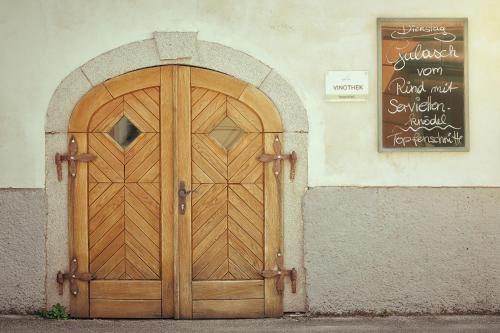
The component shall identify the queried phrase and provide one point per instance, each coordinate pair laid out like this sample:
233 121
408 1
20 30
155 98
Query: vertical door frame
167 190
273 236
182 107
78 215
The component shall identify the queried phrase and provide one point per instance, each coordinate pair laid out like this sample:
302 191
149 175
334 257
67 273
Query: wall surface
402 250
22 250
407 249
43 41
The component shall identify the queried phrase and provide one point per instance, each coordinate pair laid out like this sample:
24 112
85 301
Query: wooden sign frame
466 137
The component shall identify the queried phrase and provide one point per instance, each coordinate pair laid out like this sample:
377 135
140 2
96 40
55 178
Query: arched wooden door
155 250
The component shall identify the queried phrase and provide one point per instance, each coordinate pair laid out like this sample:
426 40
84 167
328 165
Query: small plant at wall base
56 312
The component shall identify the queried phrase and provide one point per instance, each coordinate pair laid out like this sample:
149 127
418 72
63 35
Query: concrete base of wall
367 250
402 250
23 218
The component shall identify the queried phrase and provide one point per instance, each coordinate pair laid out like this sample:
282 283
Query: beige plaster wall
43 41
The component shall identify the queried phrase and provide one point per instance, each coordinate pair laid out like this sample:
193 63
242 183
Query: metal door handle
183 193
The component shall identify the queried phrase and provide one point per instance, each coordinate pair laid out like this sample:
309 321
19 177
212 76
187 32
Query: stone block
175 45
230 61
121 60
293 114
64 99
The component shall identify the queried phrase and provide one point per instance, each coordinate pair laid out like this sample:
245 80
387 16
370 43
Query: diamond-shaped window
227 133
124 132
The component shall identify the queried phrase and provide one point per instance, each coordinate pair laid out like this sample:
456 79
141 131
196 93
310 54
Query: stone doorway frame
181 48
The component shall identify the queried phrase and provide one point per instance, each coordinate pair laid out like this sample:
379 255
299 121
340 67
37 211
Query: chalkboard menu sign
423 84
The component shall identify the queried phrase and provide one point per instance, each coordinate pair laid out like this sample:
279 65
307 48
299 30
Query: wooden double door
176 216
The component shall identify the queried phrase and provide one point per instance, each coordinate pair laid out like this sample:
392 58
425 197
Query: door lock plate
183 193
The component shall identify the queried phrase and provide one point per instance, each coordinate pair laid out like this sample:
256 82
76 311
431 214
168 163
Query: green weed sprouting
57 312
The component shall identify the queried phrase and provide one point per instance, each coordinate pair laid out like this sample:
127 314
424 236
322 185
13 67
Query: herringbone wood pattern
141 107
227 207
124 191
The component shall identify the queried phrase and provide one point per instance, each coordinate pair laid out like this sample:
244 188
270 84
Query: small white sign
346 86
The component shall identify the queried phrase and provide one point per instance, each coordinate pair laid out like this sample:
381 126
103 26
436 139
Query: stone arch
175 48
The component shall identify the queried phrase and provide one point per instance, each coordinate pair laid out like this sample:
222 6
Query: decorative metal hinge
72 157
280 274
73 276
277 157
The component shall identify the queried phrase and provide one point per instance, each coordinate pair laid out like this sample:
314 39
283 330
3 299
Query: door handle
183 193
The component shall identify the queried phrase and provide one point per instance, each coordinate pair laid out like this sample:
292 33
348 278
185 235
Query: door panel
124 308
125 289
150 130
228 308
205 290
125 299
124 204
227 206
